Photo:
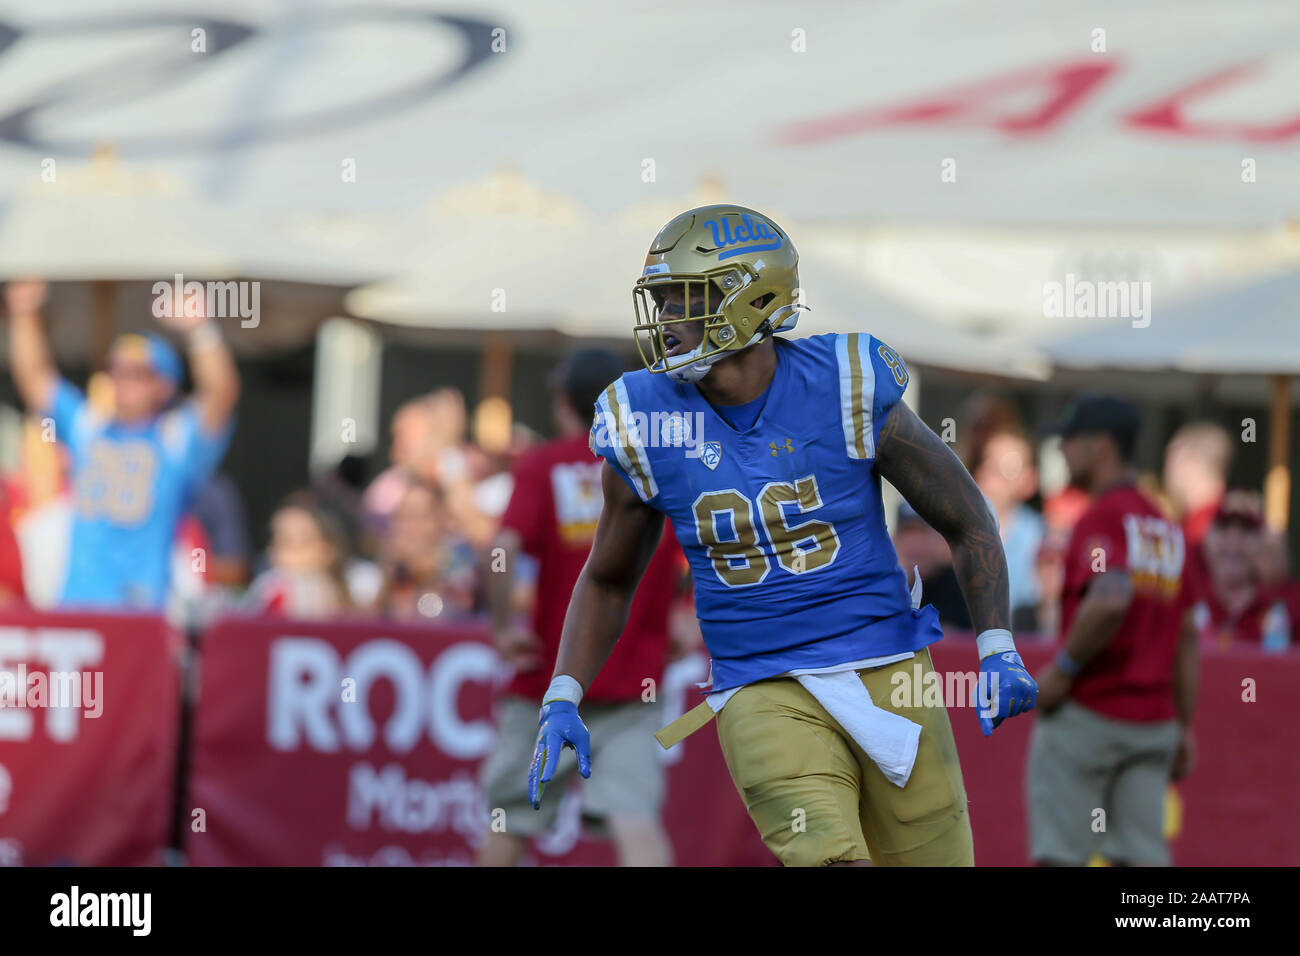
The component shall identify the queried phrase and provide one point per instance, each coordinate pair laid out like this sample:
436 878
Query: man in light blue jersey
768 454
134 470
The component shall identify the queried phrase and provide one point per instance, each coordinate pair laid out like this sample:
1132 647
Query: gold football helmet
739 264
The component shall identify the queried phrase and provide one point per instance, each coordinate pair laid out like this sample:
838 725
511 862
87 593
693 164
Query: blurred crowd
1237 574
415 542
408 545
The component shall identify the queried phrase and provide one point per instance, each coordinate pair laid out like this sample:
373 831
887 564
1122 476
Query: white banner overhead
302 115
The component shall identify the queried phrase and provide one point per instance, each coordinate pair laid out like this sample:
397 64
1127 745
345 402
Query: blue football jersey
131 486
782 522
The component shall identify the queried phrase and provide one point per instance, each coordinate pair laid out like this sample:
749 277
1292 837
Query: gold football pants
817 798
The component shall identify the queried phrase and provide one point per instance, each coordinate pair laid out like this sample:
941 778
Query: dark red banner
359 744
89 716
1231 811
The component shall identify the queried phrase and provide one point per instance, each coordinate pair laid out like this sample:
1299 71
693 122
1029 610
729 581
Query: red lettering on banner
1169 115
993 103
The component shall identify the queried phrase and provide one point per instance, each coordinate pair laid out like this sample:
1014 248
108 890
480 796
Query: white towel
889 739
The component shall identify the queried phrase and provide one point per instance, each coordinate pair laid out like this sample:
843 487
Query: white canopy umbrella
1251 327
104 233
502 272
103 220
840 302
527 260
503 254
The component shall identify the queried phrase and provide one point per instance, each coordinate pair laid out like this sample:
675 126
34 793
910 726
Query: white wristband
996 640
563 687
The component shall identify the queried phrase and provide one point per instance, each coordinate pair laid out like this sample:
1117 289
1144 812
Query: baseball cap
155 351
1091 413
584 374
1240 507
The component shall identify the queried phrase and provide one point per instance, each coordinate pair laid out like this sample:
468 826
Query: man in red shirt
1116 704
552 518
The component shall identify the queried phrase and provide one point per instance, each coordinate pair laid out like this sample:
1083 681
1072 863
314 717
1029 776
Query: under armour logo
775 448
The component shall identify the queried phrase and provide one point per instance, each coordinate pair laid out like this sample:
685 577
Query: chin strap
694 371
783 320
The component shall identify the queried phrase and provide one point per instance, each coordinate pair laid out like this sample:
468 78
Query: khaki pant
1097 785
627 774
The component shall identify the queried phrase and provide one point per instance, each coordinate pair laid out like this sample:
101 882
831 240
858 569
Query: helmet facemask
701 300
724 314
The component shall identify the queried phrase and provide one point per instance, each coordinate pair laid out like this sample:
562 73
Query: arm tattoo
934 482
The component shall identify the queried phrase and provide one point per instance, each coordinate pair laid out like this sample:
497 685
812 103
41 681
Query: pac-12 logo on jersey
711 454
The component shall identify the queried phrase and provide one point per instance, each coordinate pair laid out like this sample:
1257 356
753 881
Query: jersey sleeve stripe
867 396
631 455
846 395
609 418
857 385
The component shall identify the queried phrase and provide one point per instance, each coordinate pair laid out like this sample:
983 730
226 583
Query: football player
767 454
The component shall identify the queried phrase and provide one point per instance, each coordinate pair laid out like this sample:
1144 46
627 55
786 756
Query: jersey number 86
740 560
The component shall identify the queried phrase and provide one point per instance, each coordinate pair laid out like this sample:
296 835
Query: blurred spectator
1116 704
1274 563
133 472
308 560
1237 605
552 517
219 508
429 444
1063 506
1005 472
44 525
459 468
410 431
340 489
982 415
1195 476
12 590
923 551
191 601
1275 577
429 571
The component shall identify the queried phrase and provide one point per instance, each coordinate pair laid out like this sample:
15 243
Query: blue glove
559 727
1004 690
